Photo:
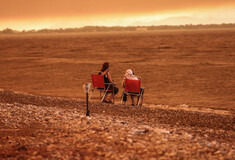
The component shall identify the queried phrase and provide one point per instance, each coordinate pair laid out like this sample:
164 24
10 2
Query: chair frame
138 94
101 86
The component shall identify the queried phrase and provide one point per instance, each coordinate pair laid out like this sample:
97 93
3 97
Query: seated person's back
129 75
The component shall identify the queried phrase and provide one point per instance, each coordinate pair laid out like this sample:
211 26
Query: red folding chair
98 83
133 88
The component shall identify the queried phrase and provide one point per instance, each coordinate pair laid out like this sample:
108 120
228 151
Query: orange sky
36 14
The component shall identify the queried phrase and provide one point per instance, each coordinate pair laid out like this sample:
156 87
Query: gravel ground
39 127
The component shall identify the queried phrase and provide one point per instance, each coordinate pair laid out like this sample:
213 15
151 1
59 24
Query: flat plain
192 67
188 111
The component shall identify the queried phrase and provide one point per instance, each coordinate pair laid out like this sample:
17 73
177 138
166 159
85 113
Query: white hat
128 72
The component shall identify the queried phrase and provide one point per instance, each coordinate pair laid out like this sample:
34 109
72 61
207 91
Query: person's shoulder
135 78
132 77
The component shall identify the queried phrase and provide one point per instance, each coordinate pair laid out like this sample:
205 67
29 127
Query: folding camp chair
133 88
98 83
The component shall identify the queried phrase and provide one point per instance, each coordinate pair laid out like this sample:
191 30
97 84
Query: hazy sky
37 14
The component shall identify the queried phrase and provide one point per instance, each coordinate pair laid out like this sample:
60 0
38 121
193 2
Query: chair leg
142 100
138 101
105 93
122 97
103 97
91 93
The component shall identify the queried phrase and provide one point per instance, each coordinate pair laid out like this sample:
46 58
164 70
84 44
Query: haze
31 14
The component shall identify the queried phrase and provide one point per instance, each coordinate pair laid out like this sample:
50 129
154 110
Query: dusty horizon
26 15
121 28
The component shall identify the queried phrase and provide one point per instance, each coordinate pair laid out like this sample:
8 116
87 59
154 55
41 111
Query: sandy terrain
189 105
195 68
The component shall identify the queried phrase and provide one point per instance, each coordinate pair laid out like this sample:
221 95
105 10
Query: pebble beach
42 127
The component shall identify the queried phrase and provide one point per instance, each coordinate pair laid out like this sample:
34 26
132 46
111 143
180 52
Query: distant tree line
119 28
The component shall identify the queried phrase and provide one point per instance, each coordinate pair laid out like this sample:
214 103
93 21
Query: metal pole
87 112
86 87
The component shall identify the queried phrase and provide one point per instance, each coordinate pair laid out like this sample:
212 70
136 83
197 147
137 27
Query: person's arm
103 73
110 78
123 82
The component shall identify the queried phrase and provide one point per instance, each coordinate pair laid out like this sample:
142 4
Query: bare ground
189 100
192 67
36 127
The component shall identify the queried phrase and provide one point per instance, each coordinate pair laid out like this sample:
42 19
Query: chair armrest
111 84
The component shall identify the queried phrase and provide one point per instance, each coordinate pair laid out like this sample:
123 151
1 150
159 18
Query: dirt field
195 68
189 99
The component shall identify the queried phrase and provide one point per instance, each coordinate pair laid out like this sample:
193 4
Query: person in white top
129 75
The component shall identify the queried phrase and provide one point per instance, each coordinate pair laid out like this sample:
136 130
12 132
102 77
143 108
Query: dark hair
105 67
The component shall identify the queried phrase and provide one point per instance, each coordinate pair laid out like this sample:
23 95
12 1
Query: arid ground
189 99
195 68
